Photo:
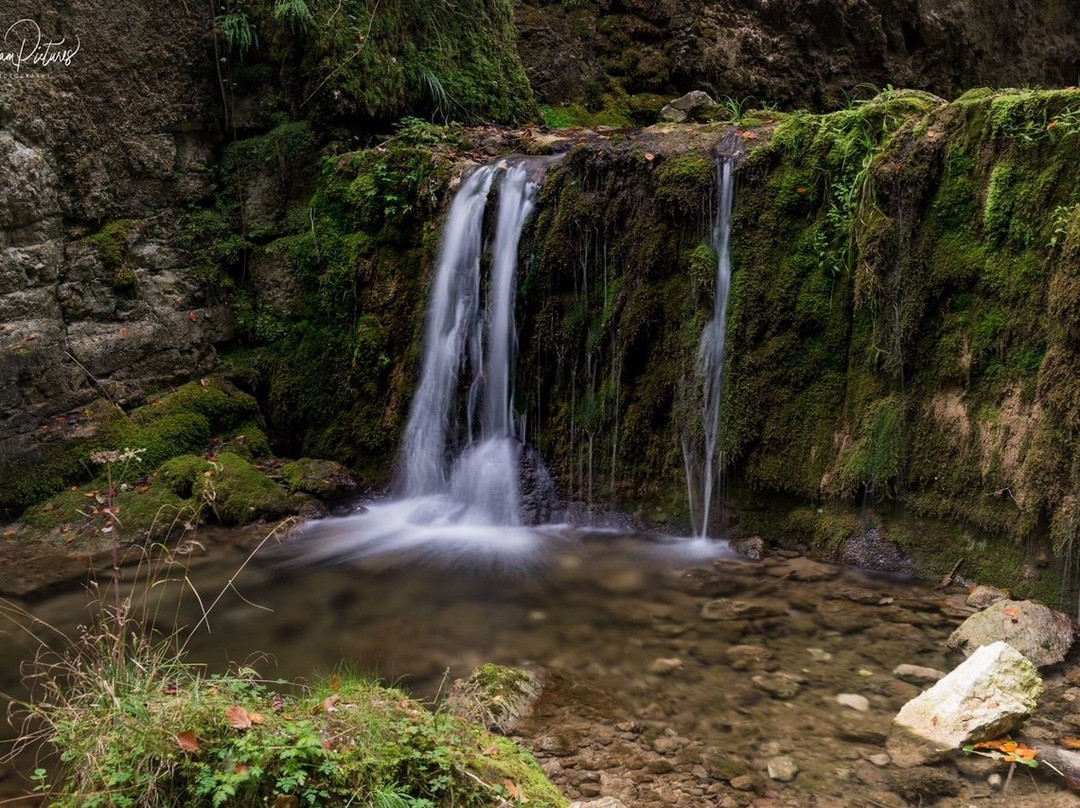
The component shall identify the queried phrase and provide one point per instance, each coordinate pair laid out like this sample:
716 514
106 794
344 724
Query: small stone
782 768
727 609
668 745
745 782
881 760
983 596
778 685
659 766
854 701
819 655
745 657
665 665
917 674
994 781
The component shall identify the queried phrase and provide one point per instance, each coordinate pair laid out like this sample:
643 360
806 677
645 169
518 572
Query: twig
91 377
948 579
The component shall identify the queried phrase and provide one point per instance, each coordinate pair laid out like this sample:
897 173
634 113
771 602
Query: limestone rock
1039 633
687 106
917 674
987 696
669 113
783 768
778 685
752 547
982 596
854 701
603 802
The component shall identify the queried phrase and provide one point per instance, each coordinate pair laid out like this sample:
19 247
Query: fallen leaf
278 703
650 156
1070 742
124 332
238 717
240 769
256 718
491 750
193 316
335 683
512 790
171 689
142 489
328 705
188 741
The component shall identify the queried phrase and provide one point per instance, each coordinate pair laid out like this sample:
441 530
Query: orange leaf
1070 742
335 683
512 790
256 718
193 316
188 741
1012 612
240 769
650 156
238 717
490 750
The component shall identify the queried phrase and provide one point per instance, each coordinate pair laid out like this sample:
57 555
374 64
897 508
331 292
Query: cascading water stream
714 335
459 475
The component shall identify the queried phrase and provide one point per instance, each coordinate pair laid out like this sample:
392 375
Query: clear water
618 621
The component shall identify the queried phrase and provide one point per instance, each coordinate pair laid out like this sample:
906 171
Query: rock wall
99 155
792 52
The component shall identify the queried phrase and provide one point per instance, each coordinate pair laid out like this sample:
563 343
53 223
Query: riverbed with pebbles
676 673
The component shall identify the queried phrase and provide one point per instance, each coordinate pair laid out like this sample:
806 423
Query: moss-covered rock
325 479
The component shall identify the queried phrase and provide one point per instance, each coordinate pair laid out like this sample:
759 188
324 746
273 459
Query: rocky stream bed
674 673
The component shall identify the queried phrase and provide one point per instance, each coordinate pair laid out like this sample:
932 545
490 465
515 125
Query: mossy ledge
166 733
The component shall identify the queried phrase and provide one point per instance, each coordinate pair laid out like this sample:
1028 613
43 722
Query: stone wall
100 154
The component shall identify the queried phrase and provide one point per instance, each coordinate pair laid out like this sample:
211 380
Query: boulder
687 106
986 696
1039 633
495 695
982 596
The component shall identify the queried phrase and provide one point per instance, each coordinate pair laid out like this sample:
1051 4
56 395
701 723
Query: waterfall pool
676 671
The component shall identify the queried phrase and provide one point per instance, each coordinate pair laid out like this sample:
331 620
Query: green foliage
381 61
113 241
238 31
135 725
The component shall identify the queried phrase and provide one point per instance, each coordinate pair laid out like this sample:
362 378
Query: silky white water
714 335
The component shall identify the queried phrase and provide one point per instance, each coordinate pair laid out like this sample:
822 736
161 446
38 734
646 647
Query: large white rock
987 696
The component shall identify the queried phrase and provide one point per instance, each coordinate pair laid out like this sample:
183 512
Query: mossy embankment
374 62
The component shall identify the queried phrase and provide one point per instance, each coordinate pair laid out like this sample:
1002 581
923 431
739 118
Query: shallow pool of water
676 670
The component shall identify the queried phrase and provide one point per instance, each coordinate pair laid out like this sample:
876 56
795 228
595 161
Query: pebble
778 685
745 782
819 655
994 781
917 674
881 760
854 701
782 768
665 665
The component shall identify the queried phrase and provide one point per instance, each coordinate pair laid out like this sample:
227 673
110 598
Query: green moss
113 241
429 60
353 742
238 493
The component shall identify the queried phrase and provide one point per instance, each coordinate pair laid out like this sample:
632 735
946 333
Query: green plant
238 31
296 13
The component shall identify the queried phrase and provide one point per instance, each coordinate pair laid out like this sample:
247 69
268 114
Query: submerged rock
539 498
917 674
987 696
1036 631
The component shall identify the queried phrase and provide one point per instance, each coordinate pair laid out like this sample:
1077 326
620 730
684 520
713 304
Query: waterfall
461 334
712 339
